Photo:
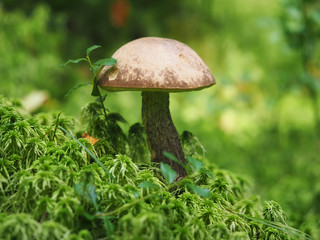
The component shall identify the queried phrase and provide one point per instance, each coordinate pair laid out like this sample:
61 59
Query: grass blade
278 226
90 153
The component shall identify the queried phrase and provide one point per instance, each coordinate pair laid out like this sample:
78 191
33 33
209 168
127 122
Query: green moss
51 188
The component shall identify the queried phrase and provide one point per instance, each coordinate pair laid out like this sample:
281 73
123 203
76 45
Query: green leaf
97 66
209 173
168 173
76 87
203 192
73 61
88 216
79 188
147 184
108 226
95 90
102 99
173 158
87 191
91 189
90 49
96 70
196 164
170 156
106 62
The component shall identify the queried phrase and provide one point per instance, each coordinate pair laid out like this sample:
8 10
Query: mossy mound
53 186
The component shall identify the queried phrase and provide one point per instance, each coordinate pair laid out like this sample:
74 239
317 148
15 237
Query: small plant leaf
87 191
102 99
76 87
96 69
106 62
88 216
97 66
108 226
90 49
173 158
91 189
202 192
170 156
168 173
147 184
196 164
73 61
95 90
209 173
79 189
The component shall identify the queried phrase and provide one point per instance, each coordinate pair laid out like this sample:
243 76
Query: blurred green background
260 120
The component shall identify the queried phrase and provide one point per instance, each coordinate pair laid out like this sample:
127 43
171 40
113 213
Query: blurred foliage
29 52
260 120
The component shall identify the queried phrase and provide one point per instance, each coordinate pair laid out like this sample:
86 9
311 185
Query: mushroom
157 66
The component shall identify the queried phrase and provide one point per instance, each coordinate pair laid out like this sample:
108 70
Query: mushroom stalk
161 132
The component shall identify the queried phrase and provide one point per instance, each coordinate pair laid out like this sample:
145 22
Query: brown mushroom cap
156 64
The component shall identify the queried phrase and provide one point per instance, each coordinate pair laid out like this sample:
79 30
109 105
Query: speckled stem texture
161 133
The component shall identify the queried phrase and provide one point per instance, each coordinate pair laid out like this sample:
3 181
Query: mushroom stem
161 132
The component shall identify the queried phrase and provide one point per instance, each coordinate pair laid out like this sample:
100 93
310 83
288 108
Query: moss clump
51 188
